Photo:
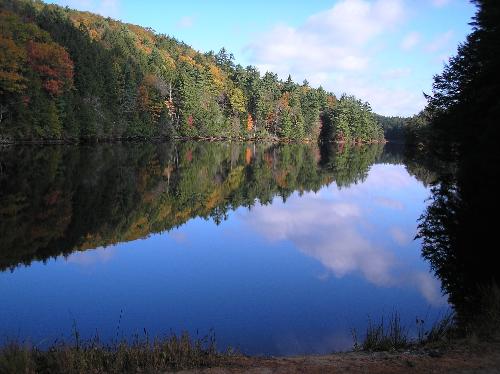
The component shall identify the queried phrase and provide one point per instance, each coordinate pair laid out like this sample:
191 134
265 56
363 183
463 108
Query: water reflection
458 230
347 232
55 200
281 249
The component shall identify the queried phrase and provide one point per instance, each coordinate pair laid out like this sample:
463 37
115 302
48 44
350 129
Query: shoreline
160 139
458 357
464 355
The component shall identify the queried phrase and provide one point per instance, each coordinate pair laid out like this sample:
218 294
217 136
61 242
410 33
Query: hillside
72 75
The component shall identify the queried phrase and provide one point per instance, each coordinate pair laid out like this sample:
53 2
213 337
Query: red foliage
190 120
53 64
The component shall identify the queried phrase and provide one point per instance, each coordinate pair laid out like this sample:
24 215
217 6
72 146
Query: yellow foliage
238 100
218 77
188 60
169 61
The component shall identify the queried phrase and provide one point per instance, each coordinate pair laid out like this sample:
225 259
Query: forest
70 75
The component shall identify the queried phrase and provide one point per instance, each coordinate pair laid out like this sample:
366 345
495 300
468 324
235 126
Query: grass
142 355
390 334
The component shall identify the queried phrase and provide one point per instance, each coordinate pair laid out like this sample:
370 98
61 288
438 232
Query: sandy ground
477 358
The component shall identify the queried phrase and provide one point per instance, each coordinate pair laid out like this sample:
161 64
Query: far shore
85 141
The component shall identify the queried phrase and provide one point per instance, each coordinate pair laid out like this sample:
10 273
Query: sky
383 51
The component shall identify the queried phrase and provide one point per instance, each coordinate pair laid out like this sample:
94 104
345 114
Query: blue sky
383 51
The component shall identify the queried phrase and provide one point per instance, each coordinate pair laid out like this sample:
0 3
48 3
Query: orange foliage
144 35
271 118
248 156
249 123
284 101
53 64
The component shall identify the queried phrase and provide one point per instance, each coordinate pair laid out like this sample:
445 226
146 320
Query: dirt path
479 358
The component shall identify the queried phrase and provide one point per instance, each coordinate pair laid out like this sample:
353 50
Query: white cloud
326 230
332 39
440 42
440 3
179 237
400 236
341 49
430 288
186 22
392 102
92 257
332 230
390 203
410 40
396 73
109 8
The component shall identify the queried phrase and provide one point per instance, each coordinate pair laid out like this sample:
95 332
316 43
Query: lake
276 249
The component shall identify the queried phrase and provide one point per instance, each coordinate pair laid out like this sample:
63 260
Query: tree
108 79
53 65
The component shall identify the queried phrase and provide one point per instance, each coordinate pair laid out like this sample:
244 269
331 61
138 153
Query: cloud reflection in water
347 230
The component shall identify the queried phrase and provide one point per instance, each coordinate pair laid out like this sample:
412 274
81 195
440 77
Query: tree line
66 74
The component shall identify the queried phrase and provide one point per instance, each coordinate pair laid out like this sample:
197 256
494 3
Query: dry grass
393 335
171 353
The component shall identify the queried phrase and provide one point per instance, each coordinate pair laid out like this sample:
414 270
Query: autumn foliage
53 64
249 123
76 75
11 62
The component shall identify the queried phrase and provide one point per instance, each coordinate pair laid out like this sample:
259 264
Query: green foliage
464 104
417 131
351 120
114 80
394 127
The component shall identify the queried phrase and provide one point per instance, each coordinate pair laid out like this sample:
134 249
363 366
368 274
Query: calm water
278 249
